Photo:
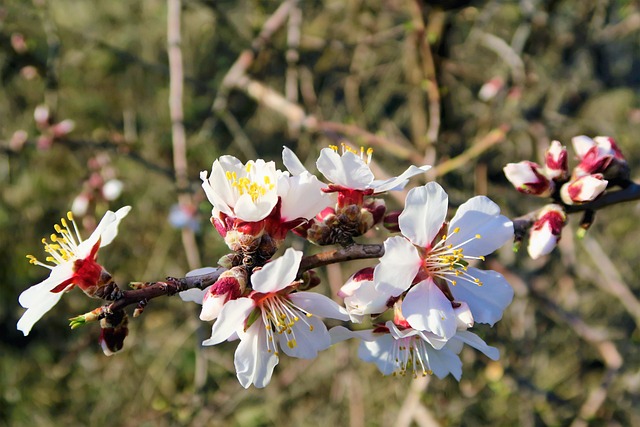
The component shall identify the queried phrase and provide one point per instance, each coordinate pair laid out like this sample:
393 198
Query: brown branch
630 193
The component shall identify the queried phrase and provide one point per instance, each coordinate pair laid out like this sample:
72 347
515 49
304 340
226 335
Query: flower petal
311 336
424 213
249 210
253 362
319 305
487 302
444 361
340 333
304 198
231 319
292 162
110 230
398 266
426 308
36 310
277 274
400 181
380 351
348 170
476 342
480 216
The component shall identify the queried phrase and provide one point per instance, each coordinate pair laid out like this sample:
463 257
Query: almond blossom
397 348
72 262
272 317
546 230
430 261
529 178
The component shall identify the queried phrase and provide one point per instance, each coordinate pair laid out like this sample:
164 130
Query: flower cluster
422 297
601 165
425 278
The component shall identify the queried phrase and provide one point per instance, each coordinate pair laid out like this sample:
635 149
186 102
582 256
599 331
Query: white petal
278 274
380 352
348 170
319 305
308 342
340 333
253 363
31 296
479 215
476 342
193 295
231 319
304 198
424 213
36 310
541 241
212 308
444 361
400 181
248 210
427 309
487 302
216 200
398 266
292 162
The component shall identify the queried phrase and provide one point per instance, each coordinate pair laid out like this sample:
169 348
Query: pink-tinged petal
348 170
582 144
480 216
400 181
319 305
304 198
380 352
36 310
476 342
542 240
444 361
278 274
398 266
487 302
212 307
253 362
292 162
426 308
310 338
231 319
340 333
248 210
424 213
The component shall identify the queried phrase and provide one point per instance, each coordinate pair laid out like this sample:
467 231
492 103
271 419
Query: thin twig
176 88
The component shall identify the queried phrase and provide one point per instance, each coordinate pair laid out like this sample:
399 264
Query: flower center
250 185
63 246
449 262
410 354
365 154
280 315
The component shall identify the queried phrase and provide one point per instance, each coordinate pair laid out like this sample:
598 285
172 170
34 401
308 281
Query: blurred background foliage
412 78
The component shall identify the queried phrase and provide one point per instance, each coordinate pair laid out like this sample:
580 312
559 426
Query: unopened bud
230 285
377 208
491 88
41 115
584 189
310 279
63 128
555 161
391 221
527 178
546 231
114 329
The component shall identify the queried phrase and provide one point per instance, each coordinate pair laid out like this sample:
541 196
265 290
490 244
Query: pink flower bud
584 189
546 231
555 161
41 115
527 178
355 282
63 128
599 155
114 329
230 285
490 89
391 222
377 208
